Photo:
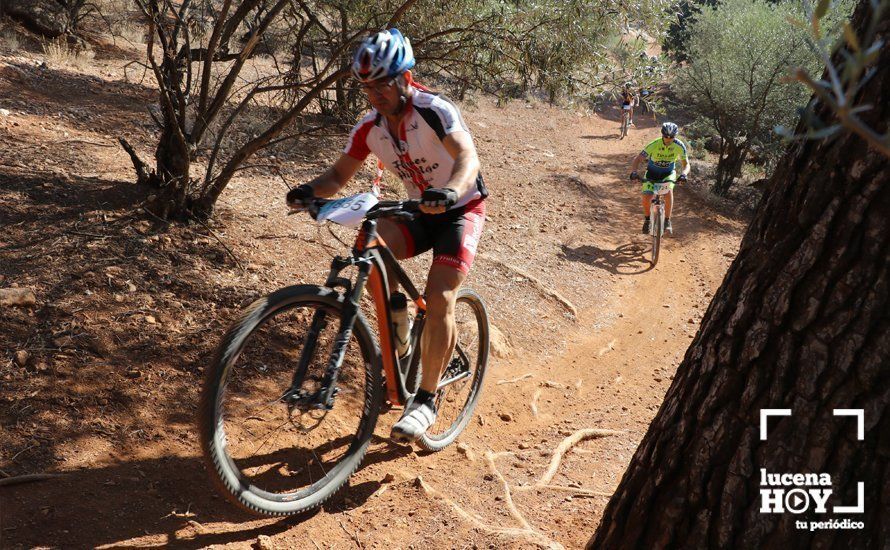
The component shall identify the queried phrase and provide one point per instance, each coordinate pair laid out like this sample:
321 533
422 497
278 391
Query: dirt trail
562 213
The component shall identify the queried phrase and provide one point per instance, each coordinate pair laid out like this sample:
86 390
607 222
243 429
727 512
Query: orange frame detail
384 324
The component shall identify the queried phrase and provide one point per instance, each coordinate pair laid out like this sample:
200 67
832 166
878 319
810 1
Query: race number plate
347 211
661 188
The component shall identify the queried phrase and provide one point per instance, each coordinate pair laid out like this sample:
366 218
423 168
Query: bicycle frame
369 245
656 202
374 260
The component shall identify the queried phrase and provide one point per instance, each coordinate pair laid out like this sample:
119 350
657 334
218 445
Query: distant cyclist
628 99
661 156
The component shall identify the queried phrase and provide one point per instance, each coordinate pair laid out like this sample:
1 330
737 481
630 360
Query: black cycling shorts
453 236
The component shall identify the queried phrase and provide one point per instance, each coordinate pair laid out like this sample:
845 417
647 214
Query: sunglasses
378 87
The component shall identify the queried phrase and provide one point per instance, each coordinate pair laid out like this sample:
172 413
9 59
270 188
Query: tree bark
173 157
729 167
801 321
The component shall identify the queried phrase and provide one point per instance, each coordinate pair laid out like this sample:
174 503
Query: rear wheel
461 383
269 453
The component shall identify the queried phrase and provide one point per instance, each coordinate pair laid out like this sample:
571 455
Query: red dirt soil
129 310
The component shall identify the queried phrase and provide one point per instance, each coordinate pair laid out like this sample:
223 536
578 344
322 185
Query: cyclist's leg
397 237
405 239
647 193
439 335
454 251
669 197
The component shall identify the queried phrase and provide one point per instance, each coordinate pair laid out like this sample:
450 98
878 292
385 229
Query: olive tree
740 54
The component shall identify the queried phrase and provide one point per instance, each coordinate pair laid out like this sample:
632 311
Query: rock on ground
17 297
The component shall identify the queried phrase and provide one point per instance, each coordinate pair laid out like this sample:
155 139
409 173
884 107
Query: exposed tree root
535 402
544 289
517 379
568 443
526 532
15 480
526 529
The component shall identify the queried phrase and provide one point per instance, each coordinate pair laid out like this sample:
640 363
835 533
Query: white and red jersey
418 157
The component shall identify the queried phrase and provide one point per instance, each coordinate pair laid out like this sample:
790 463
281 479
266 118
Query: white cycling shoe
415 421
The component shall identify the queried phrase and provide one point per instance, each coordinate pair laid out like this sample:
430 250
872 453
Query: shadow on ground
167 501
613 210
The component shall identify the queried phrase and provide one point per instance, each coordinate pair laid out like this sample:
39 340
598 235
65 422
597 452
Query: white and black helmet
669 129
382 55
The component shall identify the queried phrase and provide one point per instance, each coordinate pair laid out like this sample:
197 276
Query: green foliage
849 64
740 55
677 36
204 55
564 49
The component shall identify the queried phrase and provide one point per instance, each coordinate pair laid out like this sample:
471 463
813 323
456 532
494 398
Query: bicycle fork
656 222
324 398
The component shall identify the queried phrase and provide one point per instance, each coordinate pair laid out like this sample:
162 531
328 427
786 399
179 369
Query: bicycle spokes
279 432
454 385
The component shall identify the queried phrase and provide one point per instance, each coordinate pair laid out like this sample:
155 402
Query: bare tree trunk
205 204
801 322
729 167
340 87
173 166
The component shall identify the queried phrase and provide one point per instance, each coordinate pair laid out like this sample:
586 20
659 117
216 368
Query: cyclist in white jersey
422 138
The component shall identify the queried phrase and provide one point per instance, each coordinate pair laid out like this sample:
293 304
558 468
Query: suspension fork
344 334
364 241
319 323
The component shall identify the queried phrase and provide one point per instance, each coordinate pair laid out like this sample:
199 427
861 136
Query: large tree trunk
801 322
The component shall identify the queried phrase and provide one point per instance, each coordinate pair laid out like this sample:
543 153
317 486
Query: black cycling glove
634 176
298 196
682 178
434 196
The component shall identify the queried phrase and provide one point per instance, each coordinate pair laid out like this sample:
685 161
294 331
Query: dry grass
9 40
60 52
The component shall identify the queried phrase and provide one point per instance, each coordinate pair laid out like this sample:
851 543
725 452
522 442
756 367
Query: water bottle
401 322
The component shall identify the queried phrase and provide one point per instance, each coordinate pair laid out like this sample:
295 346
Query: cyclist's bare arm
335 177
685 170
466 162
466 167
640 159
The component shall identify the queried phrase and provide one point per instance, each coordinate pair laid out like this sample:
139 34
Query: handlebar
407 209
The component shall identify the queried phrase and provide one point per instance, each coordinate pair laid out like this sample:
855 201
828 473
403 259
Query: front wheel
266 449
657 229
461 383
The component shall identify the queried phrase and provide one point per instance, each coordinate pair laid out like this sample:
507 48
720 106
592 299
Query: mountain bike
295 389
656 215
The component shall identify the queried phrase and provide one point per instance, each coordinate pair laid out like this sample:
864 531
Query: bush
740 56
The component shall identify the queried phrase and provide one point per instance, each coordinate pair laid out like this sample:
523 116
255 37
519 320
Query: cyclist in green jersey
661 156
